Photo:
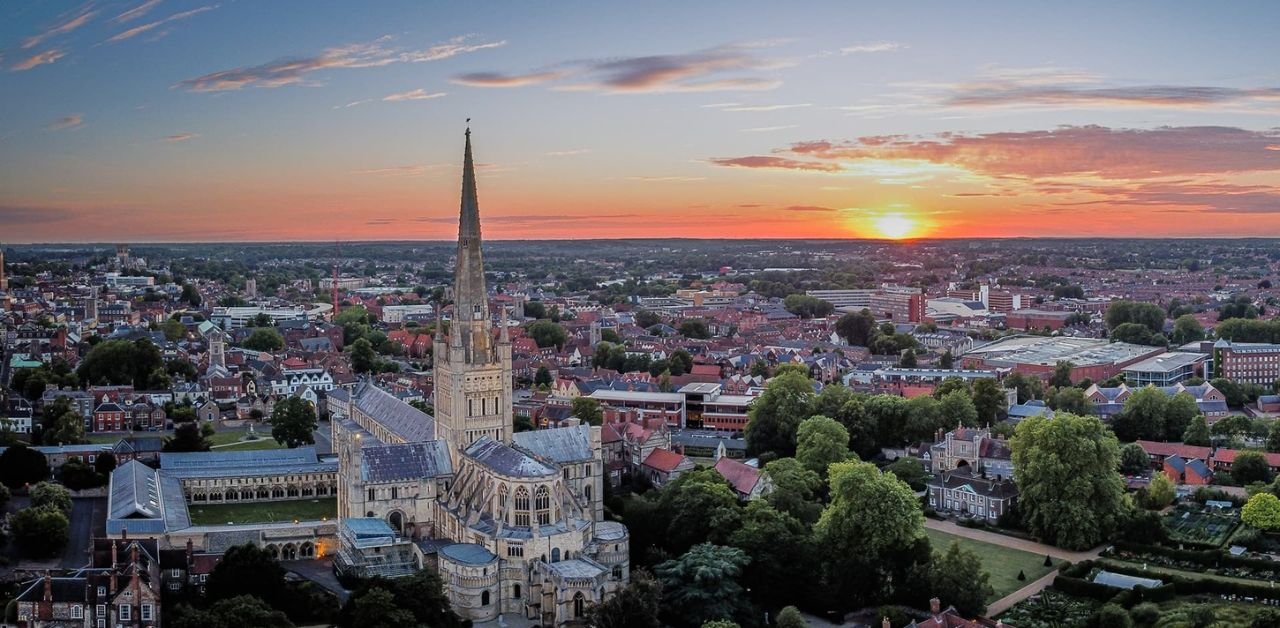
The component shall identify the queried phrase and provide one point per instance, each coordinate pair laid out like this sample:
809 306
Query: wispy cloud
354 103
809 208
181 137
66 24
149 26
16 215
768 161
567 153
377 53
38 59
410 170
730 67
136 12
66 123
413 94
754 108
667 178
875 46
769 129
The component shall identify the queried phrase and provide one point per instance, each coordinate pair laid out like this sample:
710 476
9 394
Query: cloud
875 46
138 30
181 137
495 79
1096 150
766 129
410 170
568 153
136 12
738 107
415 94
23 215
372 54
667 178
765 161
809 208
38 59
69 22
700 71
66 123
354 103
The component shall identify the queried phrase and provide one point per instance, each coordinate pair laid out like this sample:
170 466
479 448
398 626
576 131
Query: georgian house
960 492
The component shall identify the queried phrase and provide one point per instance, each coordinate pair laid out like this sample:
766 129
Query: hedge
1208 558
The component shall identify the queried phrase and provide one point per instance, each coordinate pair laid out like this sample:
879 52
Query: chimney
114 557
48 586
935 606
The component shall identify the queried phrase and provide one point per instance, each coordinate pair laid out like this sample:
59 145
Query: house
1109 401
1224 459
977 496
948 618
628 439
119 587
971 447
109 417
748 482
664 465
1158 452
1190 471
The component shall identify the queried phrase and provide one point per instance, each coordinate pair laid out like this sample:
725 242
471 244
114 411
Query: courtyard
264 512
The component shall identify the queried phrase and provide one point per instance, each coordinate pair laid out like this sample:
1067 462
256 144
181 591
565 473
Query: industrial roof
215 463
1049 350
1166 362
630 395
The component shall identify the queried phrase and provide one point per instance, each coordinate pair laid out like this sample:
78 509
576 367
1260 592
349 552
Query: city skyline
163 120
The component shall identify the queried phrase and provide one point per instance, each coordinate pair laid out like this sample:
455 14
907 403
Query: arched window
579 604
617 572
542 502
522 506
484 599
587 490
515 591
555 555
502 497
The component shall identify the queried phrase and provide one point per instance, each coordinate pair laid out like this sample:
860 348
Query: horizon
183 121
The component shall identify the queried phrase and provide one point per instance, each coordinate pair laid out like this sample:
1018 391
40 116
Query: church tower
472 371
4 281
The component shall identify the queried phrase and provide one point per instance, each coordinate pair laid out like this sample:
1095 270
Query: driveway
951 527
88 520
319 571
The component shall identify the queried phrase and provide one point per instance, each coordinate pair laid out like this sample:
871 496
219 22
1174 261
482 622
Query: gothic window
395 492
515 591
484 598
522 506
373 494
502 496
617 572
579 604
542 502
555 555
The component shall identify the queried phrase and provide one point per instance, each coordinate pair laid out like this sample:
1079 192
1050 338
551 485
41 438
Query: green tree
237 612
909 470
1070 399
779 547
535 309
1187 328
925 416
871 528
293 422
1143 416
1250 467
363 357
700 506
78 475
587 409
702 585
957 408
988 399
120 362
51 495
40 530
1160 492
105 463
646 319
858 328
947 360
1134 459
1198 432
246 570
891 416
681 362
794 489
264 339
1070 493
1180 410
547 334
776 414
1061 377
805 306
790 617
1262 511
1273 438
173 329
957 577
637 605
1111 616
694 328
821 441
377 609
542 377
21 465
1148 315
908 359
187 437
421 596
1029 387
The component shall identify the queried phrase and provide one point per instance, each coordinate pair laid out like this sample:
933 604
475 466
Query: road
88 520
950 527
323 444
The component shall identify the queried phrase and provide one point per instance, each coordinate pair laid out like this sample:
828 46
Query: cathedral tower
472 371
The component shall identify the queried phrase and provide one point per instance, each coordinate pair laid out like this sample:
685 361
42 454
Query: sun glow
895 226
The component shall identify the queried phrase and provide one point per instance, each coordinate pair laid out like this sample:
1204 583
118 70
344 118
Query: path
951 527
1005 603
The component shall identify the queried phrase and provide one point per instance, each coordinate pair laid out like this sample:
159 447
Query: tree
246 570
1070 400
173 329
1250 467
264 339
237 612
1160 492
190 295
1198 432
908 359
857 328
637 605
821 441
694 328
957 408
1134 459
587 409
794 489
1137 334
957 577
700 506
120 362
947 360
646 319
40 530
1070 493
547 334
1028 387
988 399
535 309
1262 511
909 470
1273 438
790 617
1179 411
542 377
187 437
872 527
1148 315
1061 377
1142 416
51 495
775 415
377 609
1111 616
421 596
1187 328
779 547
66 428
293 422
21 465
702 585
78 475
363 357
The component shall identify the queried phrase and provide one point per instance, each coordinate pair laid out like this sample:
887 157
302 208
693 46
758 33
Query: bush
1145 613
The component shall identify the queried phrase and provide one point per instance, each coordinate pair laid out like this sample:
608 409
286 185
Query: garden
264 512
1003 564
1194 523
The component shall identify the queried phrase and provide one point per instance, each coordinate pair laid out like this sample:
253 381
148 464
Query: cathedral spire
471 303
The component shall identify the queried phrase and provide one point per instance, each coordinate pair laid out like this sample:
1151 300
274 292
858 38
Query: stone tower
4 280
472 371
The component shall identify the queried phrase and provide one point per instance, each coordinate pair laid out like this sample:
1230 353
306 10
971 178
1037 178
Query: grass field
266 512
1002 563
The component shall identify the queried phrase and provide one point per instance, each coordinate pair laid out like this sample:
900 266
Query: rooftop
1049 350
1166 362
468 553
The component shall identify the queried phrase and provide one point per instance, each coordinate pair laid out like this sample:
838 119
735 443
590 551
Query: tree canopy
293 422
821 441
777 413
702 585
547 334
121 362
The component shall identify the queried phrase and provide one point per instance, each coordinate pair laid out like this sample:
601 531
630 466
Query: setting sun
894 226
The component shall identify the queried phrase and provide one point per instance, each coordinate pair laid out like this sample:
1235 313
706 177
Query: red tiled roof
1228 456
1174 449
742 476
663 460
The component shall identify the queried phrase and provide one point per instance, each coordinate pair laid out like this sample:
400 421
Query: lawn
264 512
1003 563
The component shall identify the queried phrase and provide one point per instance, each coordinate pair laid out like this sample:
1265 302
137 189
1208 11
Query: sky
241 120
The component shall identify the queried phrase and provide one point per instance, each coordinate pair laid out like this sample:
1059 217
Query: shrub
1145 613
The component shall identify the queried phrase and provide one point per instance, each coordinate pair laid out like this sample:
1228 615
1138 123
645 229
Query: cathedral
512 522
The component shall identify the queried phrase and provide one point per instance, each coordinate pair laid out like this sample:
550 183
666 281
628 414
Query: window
175 573
395 492
515 551
125 612
515 591
100 610
484 598
102 592
542 502
372 494
77 612
522 506
502 497
146 612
